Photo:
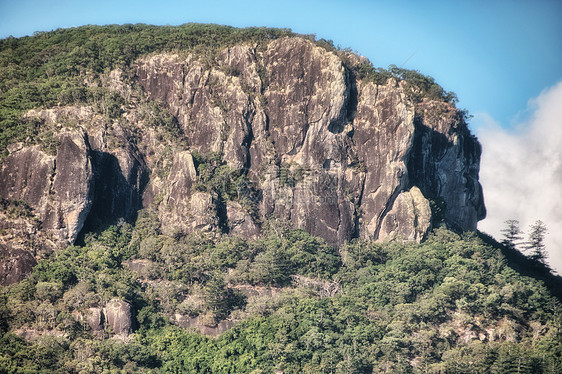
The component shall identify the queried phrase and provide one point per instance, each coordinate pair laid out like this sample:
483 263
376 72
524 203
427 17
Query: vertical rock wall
324 151
328 153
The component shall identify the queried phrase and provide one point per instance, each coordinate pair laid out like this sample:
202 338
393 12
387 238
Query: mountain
227 139
160 185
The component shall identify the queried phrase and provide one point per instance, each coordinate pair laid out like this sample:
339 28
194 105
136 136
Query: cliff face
321 149
357 148
58 188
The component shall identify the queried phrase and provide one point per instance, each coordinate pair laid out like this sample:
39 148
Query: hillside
208 199
450 305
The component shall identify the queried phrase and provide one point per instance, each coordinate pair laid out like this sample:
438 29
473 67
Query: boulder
118 315
409 219
95 319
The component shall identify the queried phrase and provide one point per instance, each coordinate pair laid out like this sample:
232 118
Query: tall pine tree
535 244
512 233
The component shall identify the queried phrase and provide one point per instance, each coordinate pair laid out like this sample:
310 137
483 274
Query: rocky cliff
283 131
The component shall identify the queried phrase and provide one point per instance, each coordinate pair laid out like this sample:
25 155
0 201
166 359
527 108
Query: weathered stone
120 175
306 97
58 188
95 319
175 211
325 151
26 175
204 216
211 106
240 222
118 315
444 164
409 219
350 147
384 128
72 186
199 324
15 264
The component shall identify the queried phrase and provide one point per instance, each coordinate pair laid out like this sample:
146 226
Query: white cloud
521 171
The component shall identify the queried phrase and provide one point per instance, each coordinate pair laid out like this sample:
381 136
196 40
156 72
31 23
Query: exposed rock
120 173
26 175
82 183
212 108
21 240
324 150
308 108
240 222
118 315
328 153
176 211
204 216
307 97
384 129
187 322
72 186
95 319
444 164
409 219
58 188
15 264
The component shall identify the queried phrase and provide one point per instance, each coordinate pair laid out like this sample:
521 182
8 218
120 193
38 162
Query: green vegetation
45 93
98 49
454 304
155 116
222 181
418 86
450 305
512 234
536 245
15 208
63 67
291 174
50 68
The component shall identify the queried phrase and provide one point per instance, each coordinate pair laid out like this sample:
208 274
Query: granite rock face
320 148
15 264
95 319
327 152
116 316
409 218
59 188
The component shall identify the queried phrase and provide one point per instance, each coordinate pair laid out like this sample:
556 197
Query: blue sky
496 55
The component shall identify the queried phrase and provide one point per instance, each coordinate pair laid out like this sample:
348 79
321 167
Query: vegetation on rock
61 67
452 304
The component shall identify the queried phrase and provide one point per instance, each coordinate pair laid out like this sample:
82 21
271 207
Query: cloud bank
521 171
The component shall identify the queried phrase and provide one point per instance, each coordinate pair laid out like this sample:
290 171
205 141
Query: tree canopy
453 304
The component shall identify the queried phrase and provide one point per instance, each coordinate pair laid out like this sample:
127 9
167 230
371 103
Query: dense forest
455 303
